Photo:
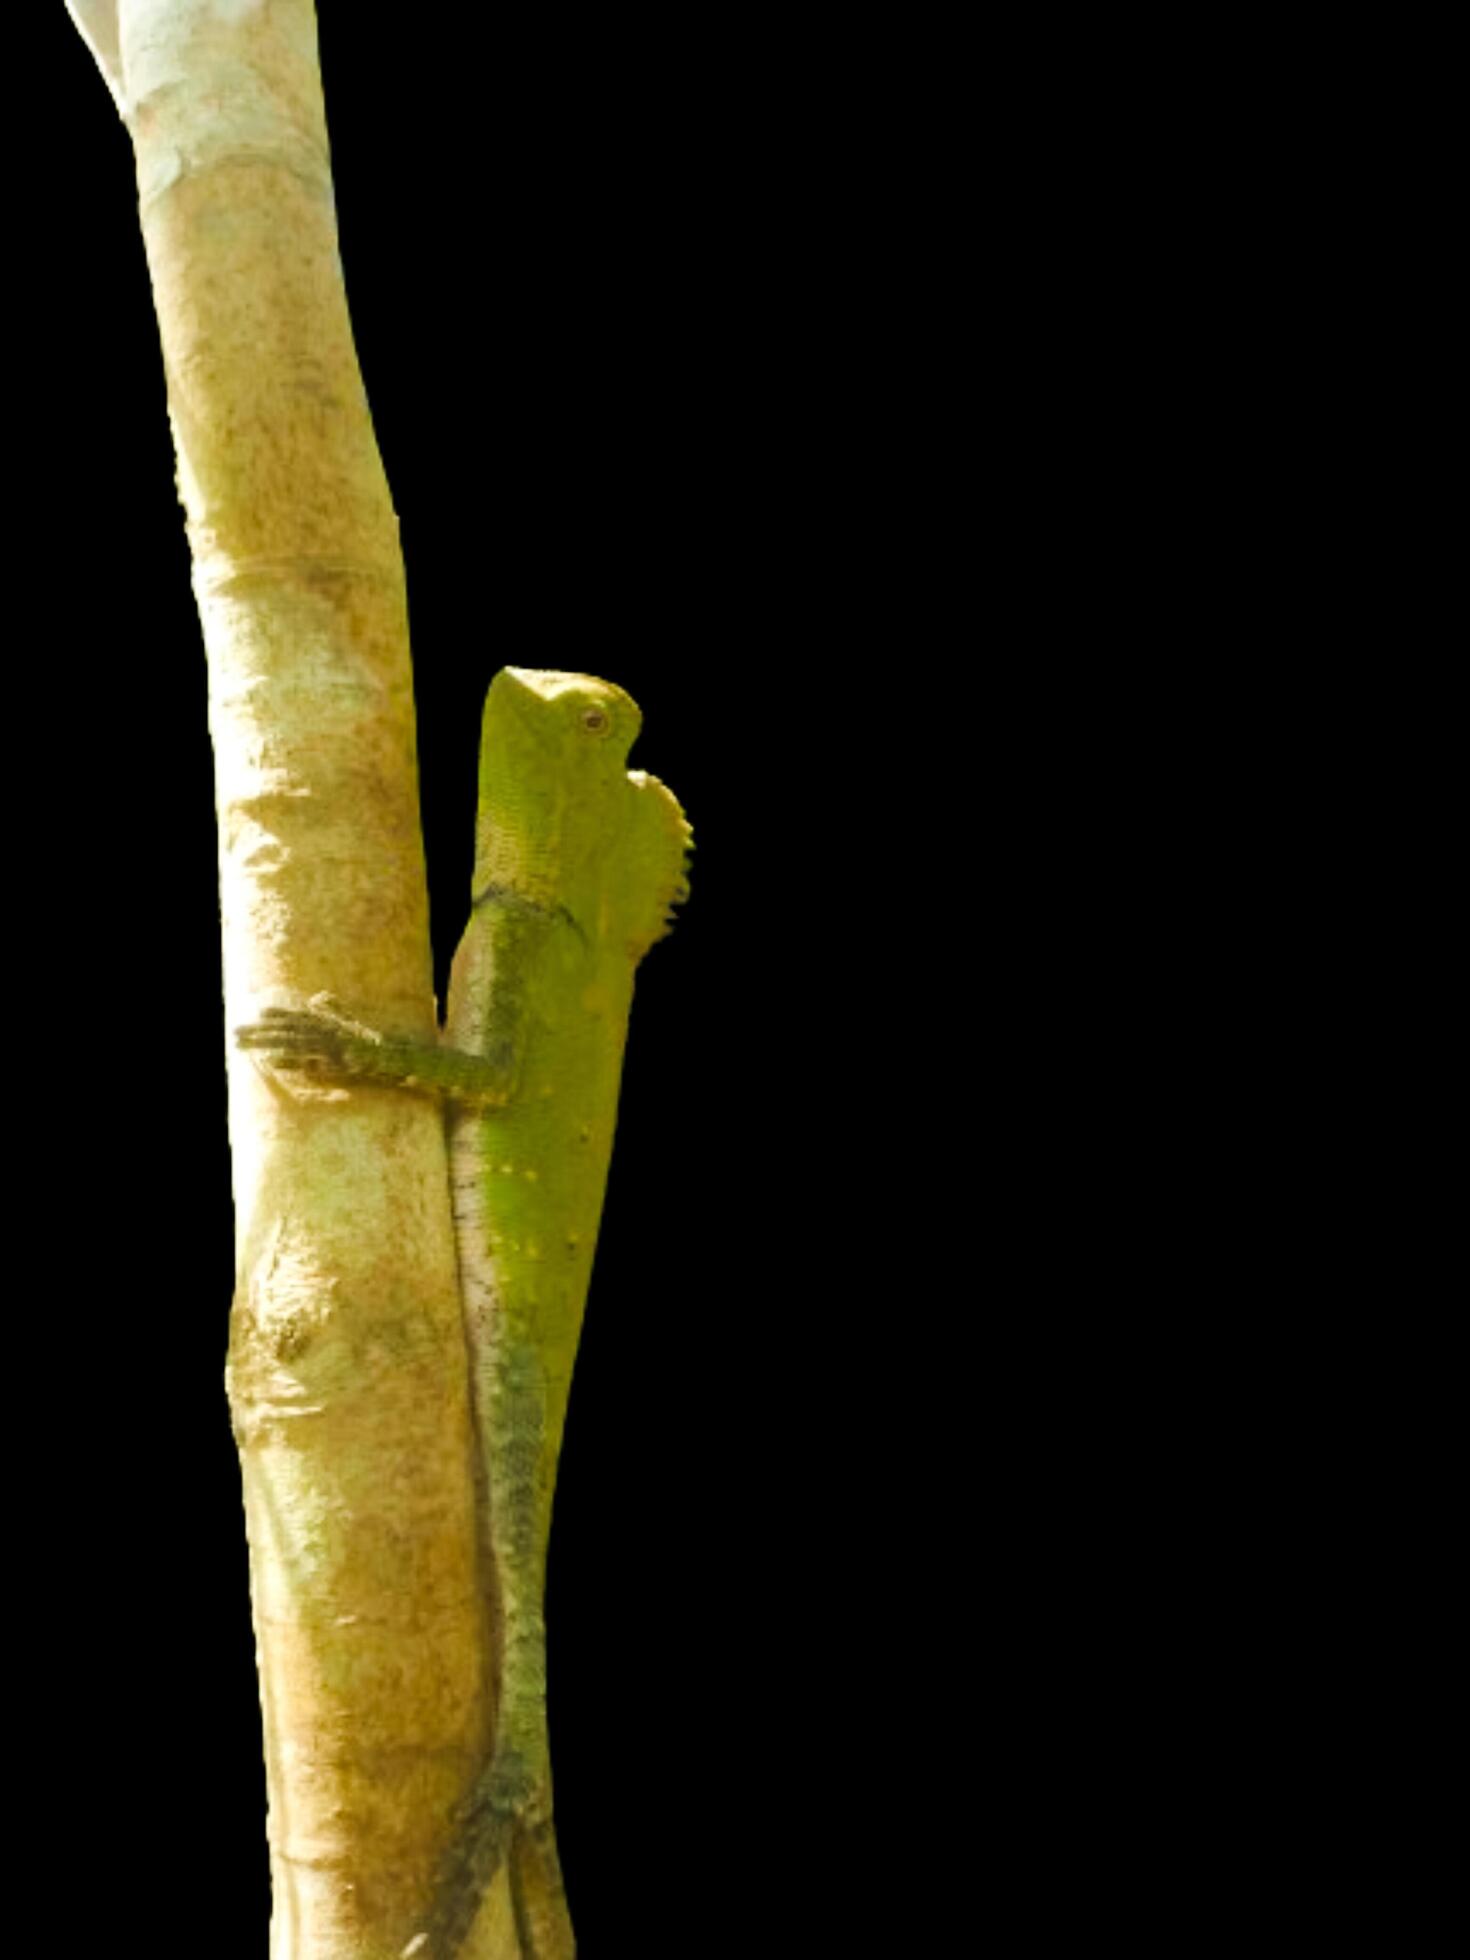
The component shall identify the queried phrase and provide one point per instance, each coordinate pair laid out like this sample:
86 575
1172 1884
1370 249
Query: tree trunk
347 1370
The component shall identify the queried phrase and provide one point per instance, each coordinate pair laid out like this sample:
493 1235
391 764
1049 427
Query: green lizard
578 862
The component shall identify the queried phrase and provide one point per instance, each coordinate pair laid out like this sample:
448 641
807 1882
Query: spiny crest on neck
667 846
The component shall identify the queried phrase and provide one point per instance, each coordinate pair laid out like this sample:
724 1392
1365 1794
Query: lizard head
563 820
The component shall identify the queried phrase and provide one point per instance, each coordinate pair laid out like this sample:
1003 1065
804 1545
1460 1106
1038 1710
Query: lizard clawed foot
312 1041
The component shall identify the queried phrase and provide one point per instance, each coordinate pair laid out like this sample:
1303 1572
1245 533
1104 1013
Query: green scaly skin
578 862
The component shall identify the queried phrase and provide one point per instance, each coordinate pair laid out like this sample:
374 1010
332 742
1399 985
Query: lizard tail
543 1921
470 1870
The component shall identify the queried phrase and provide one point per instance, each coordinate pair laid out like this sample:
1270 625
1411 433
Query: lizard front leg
319 1044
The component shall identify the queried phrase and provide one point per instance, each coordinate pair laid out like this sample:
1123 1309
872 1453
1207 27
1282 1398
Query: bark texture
346 1371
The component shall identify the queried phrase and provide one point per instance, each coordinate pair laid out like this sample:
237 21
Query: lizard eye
594 721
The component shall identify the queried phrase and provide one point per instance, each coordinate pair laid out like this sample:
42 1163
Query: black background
586 276
951 1101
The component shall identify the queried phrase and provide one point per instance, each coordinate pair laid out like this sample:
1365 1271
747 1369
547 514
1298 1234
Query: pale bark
346 1373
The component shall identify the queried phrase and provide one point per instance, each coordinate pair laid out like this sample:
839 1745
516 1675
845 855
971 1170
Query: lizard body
578 862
